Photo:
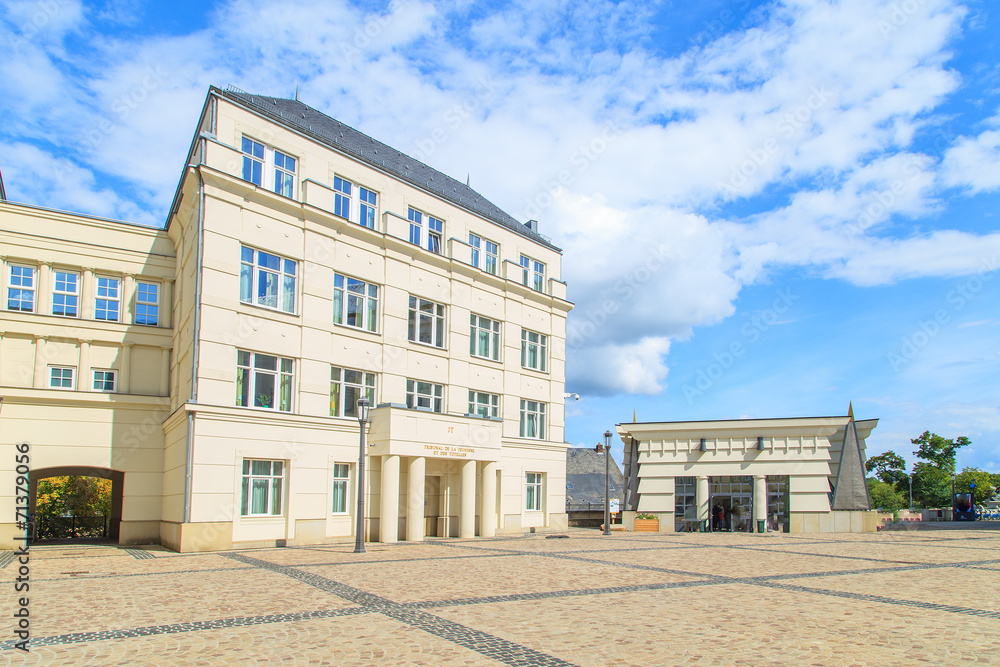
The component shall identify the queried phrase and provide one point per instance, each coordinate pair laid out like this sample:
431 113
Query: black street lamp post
607 472
359 539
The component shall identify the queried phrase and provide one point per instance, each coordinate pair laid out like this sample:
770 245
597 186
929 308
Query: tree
889 468
985 486
939 451
884 496
931 485
73 495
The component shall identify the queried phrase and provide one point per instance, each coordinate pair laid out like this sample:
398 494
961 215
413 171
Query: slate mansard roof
306 120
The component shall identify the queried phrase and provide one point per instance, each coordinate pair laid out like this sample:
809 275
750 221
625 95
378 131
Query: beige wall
118 431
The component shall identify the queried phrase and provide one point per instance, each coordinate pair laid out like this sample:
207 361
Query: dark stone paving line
491 646
867 597
405 560
139 554
6 559
194 626
806 553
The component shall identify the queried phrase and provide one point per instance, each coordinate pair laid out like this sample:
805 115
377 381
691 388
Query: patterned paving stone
627 599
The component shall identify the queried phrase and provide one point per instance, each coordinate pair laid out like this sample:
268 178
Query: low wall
838 521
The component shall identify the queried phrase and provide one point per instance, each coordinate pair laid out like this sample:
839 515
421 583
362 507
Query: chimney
532 225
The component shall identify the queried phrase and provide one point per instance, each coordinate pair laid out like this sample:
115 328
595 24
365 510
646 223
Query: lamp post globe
359 532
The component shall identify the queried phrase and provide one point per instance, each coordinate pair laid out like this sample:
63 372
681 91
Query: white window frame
435 230
536 270
541 352
345 392
275 492
101 384
484 404
62 386
341 491
287 270
424 395
142 302
532 411
343 194
437 319
65 294
274 172
367 207
17 283
485 254
533 488
342 296
479 327
103 298
248 369
416 219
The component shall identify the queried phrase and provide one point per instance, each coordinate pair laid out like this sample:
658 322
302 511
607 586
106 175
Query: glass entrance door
731 504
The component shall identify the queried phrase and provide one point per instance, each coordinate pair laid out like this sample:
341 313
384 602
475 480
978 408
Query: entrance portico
456 457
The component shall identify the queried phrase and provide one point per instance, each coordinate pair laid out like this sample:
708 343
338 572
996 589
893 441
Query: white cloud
974 162
634 368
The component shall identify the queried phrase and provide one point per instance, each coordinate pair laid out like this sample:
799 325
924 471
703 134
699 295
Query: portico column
467 515
701 497
388 521
415 499
488 518
760 501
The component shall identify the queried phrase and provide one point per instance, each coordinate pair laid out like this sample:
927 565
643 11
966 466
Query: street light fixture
607 472
359 538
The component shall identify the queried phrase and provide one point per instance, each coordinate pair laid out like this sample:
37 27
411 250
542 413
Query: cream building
794 475
303 265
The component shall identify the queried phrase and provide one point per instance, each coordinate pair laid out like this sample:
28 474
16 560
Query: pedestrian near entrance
729 519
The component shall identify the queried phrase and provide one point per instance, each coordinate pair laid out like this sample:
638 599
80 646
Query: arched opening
114 519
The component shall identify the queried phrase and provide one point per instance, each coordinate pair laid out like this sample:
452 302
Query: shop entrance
731 504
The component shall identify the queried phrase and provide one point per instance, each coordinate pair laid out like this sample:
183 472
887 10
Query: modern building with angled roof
794 475
310 265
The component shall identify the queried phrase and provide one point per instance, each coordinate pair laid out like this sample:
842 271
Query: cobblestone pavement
892 598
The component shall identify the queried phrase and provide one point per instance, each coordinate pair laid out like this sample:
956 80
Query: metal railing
60 527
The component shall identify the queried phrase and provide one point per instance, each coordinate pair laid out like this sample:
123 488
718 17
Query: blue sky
767 209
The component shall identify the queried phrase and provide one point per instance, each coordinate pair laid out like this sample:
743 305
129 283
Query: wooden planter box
647 525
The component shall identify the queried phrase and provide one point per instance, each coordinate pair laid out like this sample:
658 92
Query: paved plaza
892 598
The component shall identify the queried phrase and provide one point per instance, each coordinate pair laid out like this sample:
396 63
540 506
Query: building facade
749 475
303 265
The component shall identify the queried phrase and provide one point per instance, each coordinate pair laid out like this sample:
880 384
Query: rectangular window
61 377
484 254
267 280
147 304
484 338
284 174
476 244
355 303
65 293
341 487
21 289
426 322
366 217
491 256
108 299
263 381
346 387
532 419
268 168
533 273
262 487
342 197
484 404
253 162
425 395
104 380
533 350
416 224
435 232
533 491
